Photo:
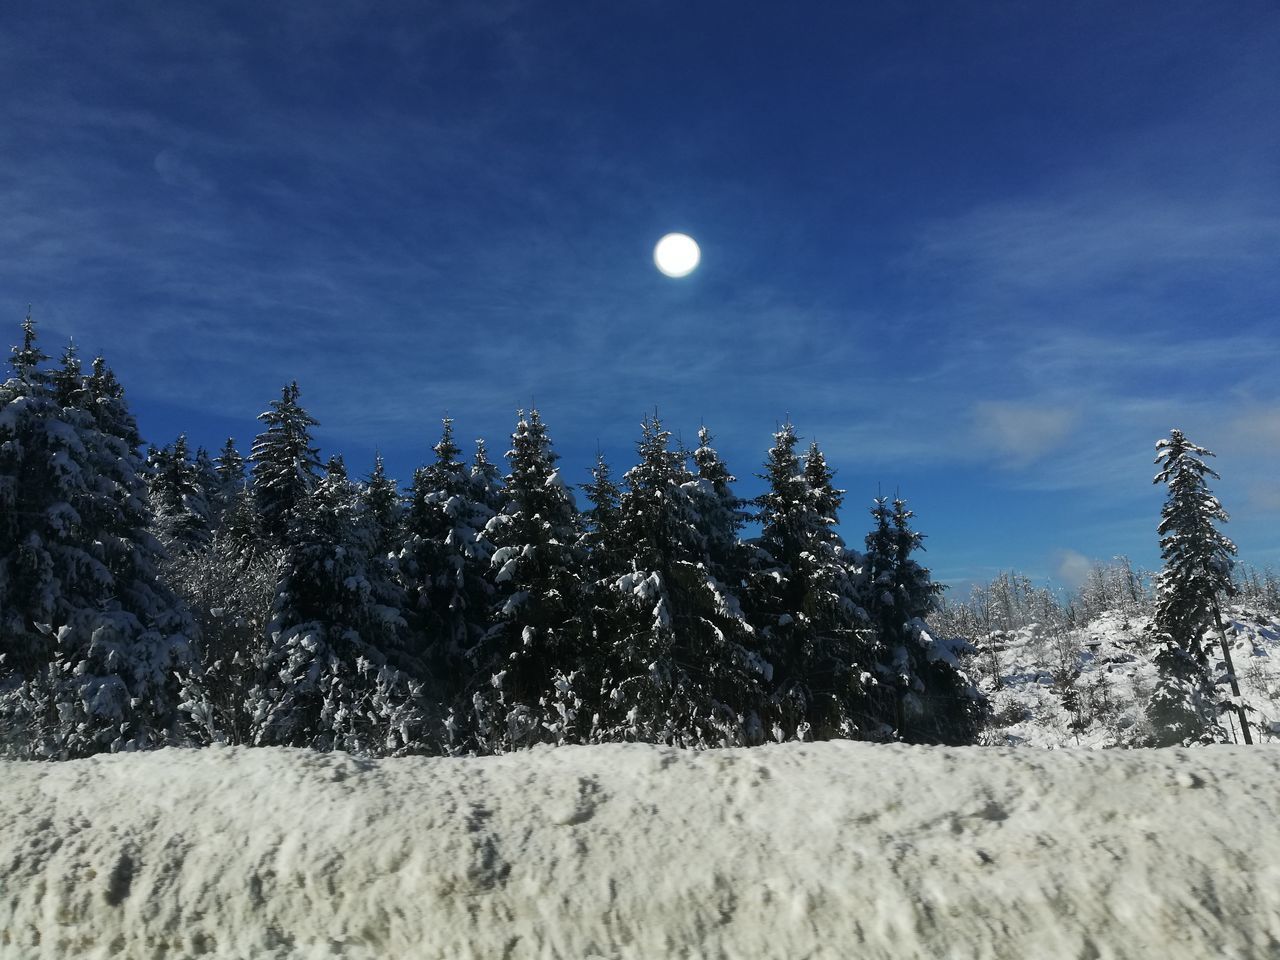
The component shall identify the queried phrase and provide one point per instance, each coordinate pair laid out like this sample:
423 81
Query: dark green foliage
477 614
932 699
179 498
327 682
286 466
443 560
534 572
383 507
805 601
94 645
679 664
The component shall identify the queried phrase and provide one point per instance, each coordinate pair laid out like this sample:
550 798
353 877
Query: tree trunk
1231 672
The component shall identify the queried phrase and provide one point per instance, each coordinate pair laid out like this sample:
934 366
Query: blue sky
986 254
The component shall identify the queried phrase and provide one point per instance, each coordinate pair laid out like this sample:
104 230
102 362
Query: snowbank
834 850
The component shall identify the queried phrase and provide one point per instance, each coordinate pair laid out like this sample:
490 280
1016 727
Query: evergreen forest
164 595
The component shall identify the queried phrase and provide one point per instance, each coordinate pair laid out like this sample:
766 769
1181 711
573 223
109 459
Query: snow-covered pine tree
210 485
222 478
28 402
328 684
723 577
443 561
1197 571
599 540
383 507
486 480
107 405
721 515
285 464
804 601
240 537
600 618
932 699
178 499
97 645
68 379
528 655
677 664
231 470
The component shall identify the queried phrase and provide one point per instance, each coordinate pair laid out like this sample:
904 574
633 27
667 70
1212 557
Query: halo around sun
677 255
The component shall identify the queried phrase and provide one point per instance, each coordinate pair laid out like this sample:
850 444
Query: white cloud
1021 433
1256 429
1071 568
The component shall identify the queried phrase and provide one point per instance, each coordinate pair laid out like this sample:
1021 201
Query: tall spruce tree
95 644
535 575
804 600
444 558
599 541
210 486
231 470
285 465
721 514
486 480
1196 573
678 665
927 696
179 499
328 683
384 508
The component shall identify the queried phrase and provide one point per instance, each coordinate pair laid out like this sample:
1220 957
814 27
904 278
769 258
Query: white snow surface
835 850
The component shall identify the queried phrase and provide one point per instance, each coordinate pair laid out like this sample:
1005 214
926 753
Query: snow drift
832 850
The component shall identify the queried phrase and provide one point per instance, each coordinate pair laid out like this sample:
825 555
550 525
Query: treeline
1012 601
175 597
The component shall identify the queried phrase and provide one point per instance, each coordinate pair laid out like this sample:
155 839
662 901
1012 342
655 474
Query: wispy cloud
1071 568
177 171
1102 242
1020 434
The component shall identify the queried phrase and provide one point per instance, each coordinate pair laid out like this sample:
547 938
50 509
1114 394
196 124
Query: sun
677 255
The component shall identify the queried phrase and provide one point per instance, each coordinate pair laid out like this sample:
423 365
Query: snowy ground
835 850
1089 687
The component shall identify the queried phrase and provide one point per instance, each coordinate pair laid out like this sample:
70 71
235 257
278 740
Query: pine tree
676 664
240 537
1197 571
927 696
210 486
231 470
444 558
231 474
68 380
97 644
286 465
804 600
525 657
486 480
178 499
27 359
720 515
383 507
106 403
328 682
599 542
